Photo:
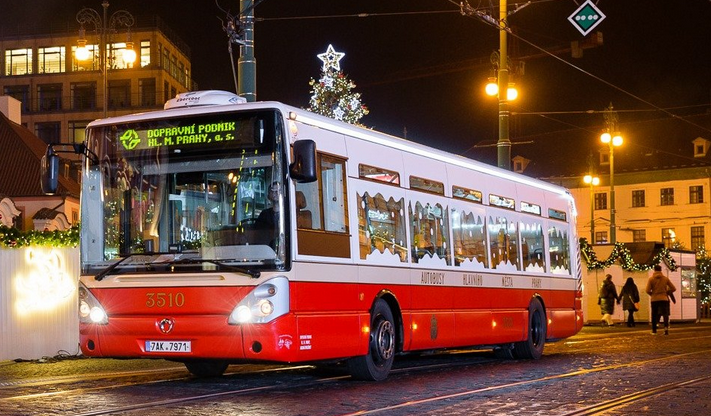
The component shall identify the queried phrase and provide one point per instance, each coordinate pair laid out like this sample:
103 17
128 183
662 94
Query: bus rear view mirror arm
50 163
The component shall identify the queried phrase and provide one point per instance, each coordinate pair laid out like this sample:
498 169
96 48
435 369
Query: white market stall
679 266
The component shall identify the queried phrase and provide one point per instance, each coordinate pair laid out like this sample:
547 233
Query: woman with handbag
629 295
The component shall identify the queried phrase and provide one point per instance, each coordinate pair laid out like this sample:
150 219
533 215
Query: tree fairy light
331 95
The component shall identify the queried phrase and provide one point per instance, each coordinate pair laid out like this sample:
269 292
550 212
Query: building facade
672 206
61 94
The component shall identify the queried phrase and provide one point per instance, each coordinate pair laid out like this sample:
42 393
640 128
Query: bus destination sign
194 134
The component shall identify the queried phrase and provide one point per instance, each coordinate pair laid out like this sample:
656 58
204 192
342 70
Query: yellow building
672 206
61 94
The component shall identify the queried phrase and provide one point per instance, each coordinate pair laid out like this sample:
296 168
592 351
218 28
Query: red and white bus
219 231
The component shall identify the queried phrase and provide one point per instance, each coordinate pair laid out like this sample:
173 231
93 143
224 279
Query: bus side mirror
303 167
49 171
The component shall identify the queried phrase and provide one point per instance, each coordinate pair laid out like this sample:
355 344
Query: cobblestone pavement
599 364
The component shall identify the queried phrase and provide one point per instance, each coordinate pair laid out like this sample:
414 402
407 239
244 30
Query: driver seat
303 216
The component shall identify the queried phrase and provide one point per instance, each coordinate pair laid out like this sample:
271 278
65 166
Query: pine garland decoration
14 238
621 253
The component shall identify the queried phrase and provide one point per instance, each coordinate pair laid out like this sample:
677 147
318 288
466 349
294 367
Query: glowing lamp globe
511 93
82 53
129 55
491 88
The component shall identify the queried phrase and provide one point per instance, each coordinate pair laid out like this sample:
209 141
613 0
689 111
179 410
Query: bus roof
363 133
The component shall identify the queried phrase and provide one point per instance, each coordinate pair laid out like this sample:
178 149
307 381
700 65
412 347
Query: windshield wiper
99 276
254 274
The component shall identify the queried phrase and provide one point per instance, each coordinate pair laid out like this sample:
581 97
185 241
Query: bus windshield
205 189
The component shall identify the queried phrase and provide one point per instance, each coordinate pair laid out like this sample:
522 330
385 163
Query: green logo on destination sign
130 139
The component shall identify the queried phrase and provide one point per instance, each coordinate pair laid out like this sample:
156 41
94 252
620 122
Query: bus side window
503 237
321 215
559 249
333 193
532 247
321 205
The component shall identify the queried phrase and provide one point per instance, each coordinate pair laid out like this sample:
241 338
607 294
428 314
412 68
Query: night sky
424 73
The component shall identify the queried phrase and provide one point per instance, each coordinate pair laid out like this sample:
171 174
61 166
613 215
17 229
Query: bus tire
206 368
532 347
376 364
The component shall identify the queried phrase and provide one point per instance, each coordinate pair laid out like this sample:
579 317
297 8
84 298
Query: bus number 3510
162 299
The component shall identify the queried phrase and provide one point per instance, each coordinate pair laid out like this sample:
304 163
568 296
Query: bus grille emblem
166 325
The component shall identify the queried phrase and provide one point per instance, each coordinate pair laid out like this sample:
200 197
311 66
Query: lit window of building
145 53
600 200
18 61
666 196
77 131
696 194
51 60
668 237
697 237
600 237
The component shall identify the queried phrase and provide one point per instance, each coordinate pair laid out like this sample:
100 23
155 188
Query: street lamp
105 26
612 138
492 89
592 181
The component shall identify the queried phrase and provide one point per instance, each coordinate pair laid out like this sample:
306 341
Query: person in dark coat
629 295
607 299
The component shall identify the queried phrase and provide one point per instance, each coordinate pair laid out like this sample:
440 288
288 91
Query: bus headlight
90 310
241 314
264 303
266 308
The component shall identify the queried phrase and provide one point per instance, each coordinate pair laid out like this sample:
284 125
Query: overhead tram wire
496 24
444 69
358 15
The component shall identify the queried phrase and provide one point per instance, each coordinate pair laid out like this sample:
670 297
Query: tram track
180 375
427 401
600 408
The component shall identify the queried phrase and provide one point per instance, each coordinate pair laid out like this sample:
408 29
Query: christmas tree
331 95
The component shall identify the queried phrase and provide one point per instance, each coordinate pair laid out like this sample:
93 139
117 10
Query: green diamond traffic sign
587 17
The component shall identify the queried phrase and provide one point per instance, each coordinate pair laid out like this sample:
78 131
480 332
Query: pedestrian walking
659 287
607 299
629 295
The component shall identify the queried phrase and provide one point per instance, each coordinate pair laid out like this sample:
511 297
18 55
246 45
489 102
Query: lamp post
613 139
503 145
592 181
105 26
493 88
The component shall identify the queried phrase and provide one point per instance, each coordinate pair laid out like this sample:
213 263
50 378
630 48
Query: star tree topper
331 59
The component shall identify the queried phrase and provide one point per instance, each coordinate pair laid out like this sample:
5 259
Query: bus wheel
532 348
206 368
376 365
